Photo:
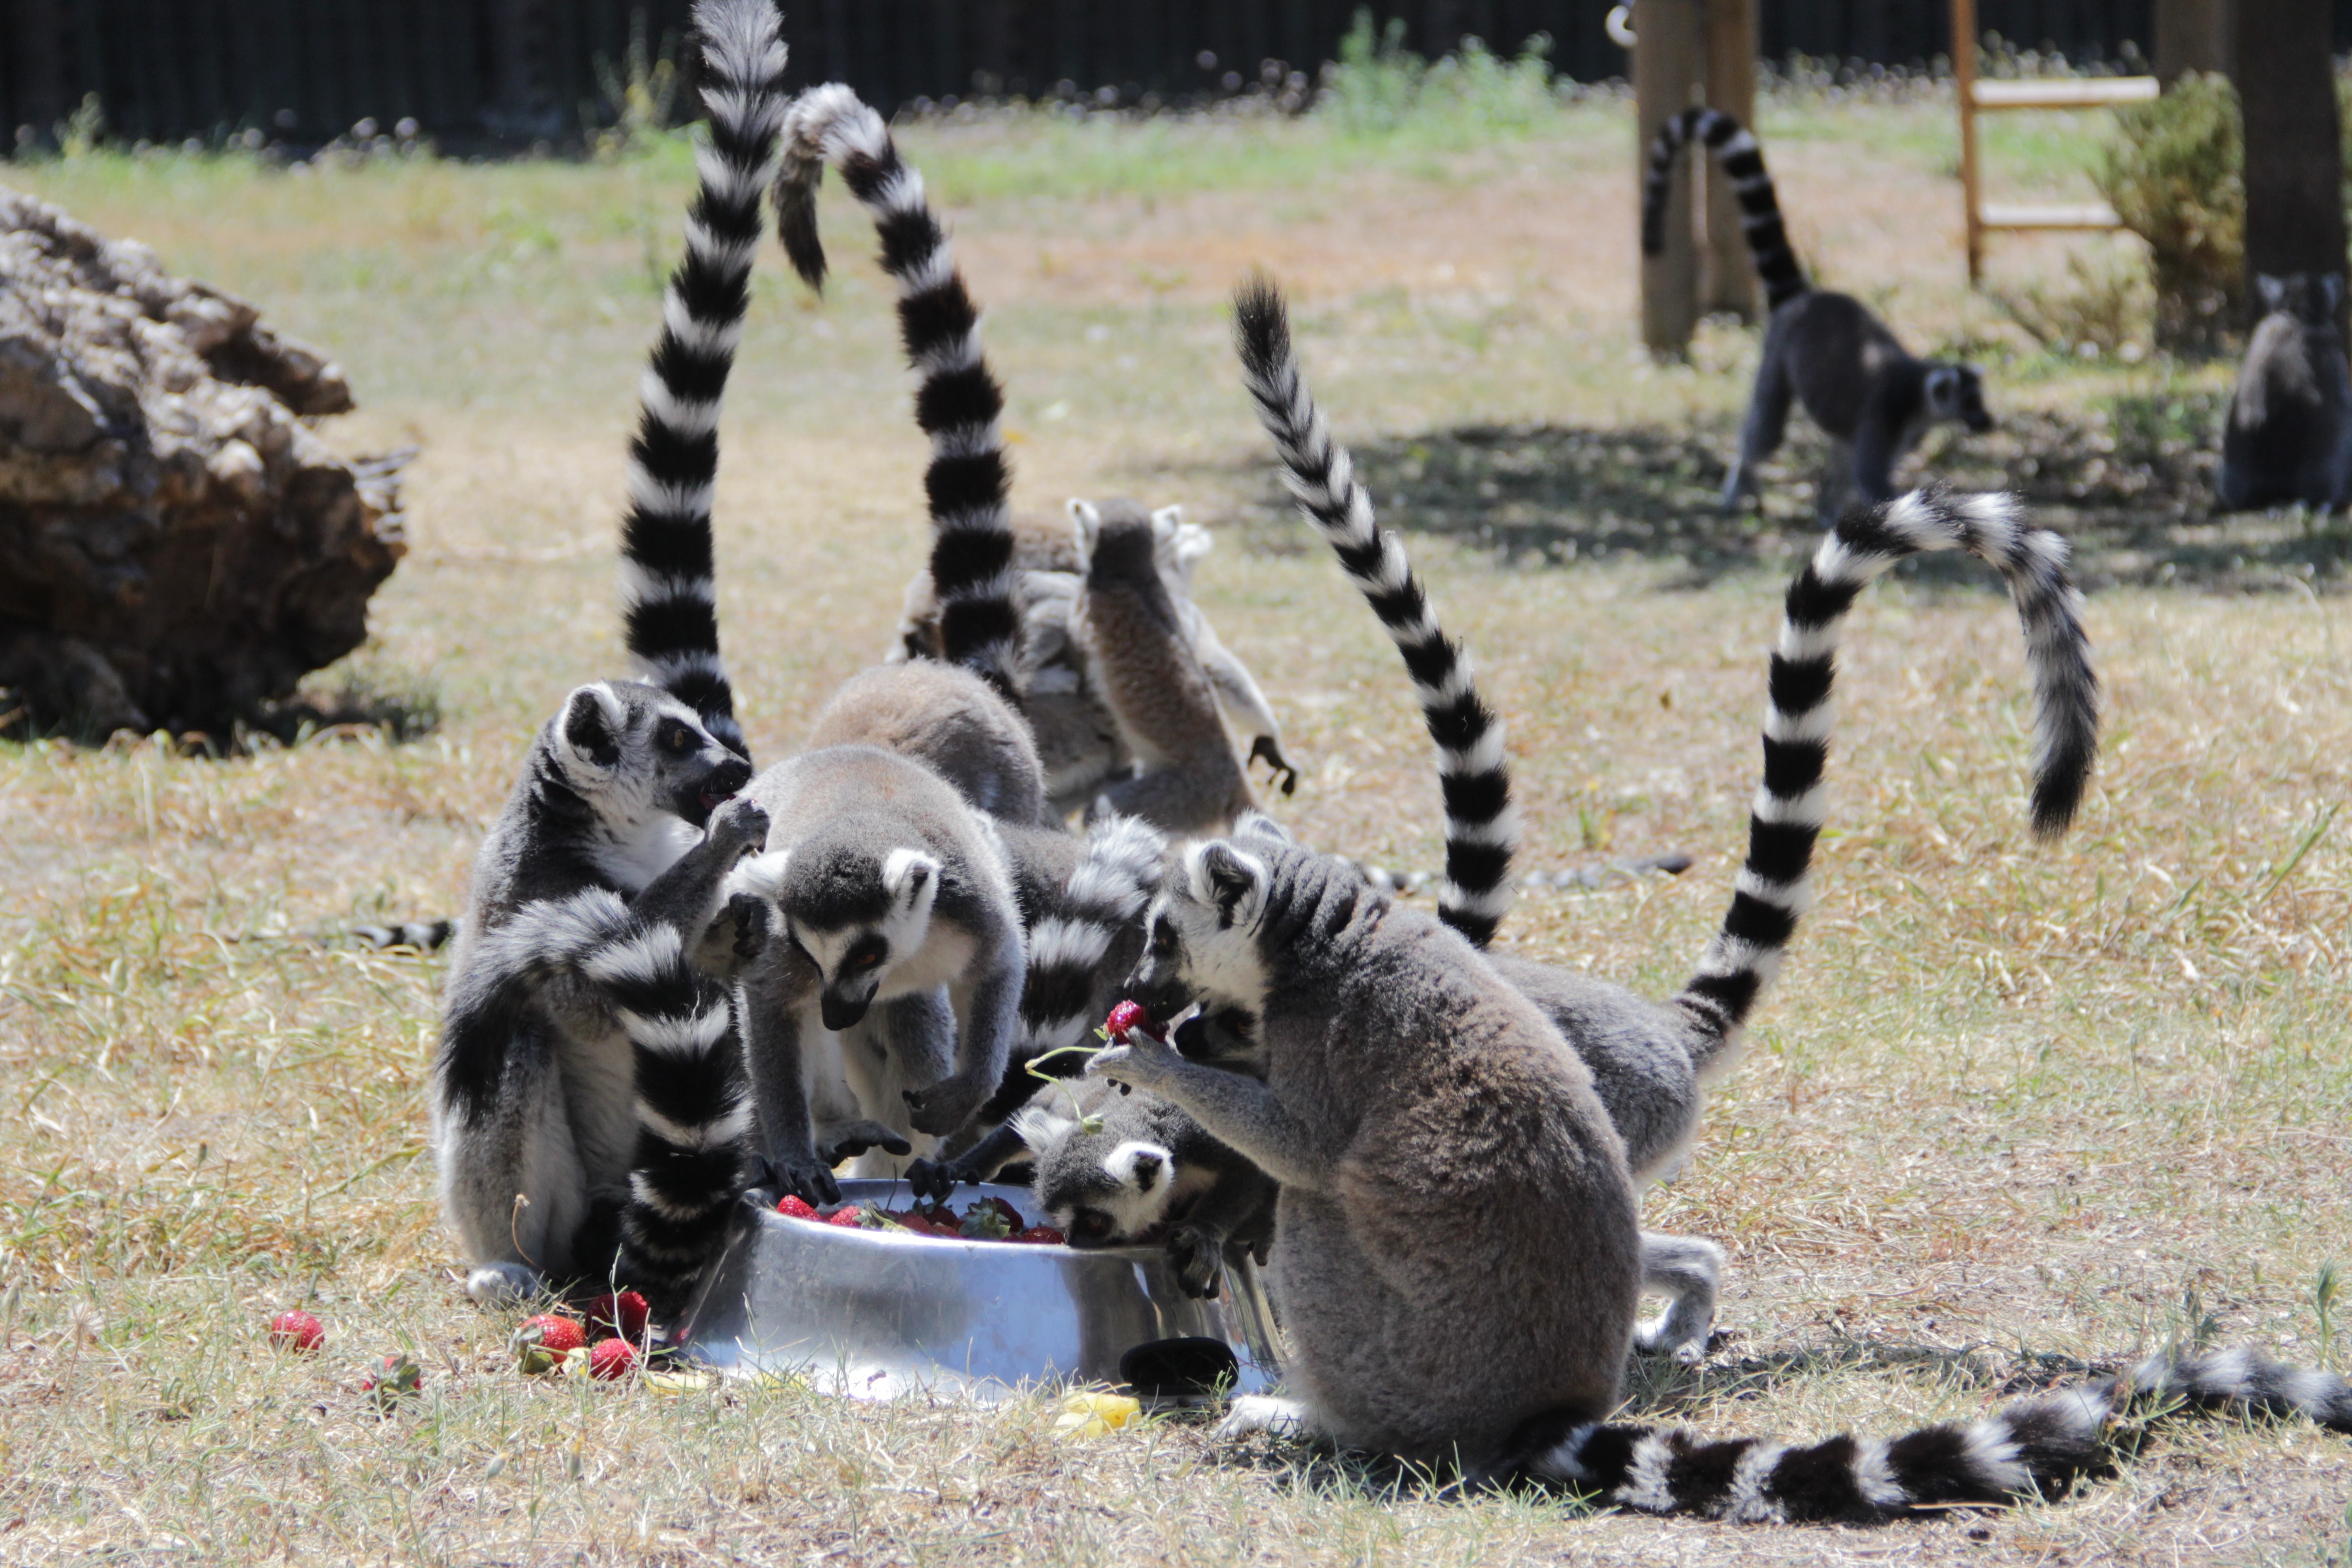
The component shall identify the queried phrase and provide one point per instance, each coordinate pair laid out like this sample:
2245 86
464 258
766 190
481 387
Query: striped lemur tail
1115 878
1744 955
1759 205
1482 830
959 402
667 561
2029 1447
692 1101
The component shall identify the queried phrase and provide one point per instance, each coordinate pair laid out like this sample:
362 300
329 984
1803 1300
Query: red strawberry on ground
610 1360
1043 1235
540 1342
793 1207
624 1313
296 1330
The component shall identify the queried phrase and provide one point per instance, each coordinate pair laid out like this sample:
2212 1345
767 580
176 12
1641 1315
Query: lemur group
682 978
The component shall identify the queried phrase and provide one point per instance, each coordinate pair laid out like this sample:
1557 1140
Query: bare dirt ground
2013 1109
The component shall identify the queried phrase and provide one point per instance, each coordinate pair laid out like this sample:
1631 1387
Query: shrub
1380 87
2173 174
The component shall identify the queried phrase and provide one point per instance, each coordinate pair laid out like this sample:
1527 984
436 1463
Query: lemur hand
738 824
1142 1061
1268 750
947 1104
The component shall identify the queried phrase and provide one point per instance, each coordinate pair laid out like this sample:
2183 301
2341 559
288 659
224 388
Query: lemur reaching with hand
1826 350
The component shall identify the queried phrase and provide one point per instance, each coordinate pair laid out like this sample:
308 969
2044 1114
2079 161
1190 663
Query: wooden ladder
2057 92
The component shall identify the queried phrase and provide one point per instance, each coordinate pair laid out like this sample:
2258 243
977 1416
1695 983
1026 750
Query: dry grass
2010 1105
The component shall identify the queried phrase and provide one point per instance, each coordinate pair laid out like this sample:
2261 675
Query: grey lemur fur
1140 660
533 1098
1416 1107
1079 739
2288 434
1872 398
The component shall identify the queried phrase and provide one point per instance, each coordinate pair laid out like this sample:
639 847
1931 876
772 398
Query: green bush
2175 174
1380 87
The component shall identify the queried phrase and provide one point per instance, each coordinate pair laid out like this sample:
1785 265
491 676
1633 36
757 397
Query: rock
177 546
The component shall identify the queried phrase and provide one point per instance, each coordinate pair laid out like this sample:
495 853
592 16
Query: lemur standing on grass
1872 398
1457 1255
2288 434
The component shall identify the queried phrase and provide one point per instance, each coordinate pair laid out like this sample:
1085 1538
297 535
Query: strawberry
623 1312
849 1217
610 1360
540 1342
296 1330
1126 1017
1012 1221
797 1209
1041 1235
394 1379
985 1221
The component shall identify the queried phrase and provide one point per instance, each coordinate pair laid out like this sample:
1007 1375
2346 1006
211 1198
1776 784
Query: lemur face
633 750
1096 1190
856 915
1199 935
1955 393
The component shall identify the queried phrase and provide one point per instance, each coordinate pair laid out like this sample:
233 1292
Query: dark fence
518 70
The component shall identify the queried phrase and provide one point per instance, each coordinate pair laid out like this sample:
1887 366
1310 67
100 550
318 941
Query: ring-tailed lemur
1648 1061
1141 661
1872 398
534 1122
2288 434
636 963
1077 735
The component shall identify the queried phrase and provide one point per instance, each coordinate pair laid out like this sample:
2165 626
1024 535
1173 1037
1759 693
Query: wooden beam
1670 42
1726 277
1964 87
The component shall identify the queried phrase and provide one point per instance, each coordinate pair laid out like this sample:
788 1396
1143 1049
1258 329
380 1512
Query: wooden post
2192 35
1727 277
1669 41
2295 154
1964 87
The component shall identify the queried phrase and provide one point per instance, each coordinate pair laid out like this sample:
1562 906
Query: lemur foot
1282 775
502 1284
1199 1259
1266 1413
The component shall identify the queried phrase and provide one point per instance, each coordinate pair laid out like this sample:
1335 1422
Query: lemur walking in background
2288 434
1826 350
540 1093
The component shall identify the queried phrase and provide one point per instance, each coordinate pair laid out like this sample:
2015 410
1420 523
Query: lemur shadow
1661 1392
2131 482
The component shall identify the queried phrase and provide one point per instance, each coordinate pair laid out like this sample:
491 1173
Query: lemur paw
797 1176
1199 1259
936 1182
502 1284
1275 1416
1142 1062
1268 750
737 823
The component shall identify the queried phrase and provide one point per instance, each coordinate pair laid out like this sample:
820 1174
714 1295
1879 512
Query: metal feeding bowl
875 1314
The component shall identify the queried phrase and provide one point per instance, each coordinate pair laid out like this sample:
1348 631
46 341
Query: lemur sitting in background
2288 436
1865 390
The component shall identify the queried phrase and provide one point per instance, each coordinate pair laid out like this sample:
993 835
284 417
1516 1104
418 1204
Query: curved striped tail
957 402
2028 1447
1115 878
692 1102
1481 829
419 935
1734 148
667 561
1772 888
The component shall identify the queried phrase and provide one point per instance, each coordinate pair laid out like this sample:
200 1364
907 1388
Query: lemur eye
867 954
678 740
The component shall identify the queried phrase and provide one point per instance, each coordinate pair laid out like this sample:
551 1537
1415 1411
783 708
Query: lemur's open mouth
712 799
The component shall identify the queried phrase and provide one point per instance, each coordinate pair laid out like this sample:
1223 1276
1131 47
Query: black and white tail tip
2031 1447
668 566
1773 889
957 402
1742 160
1481 827
421 935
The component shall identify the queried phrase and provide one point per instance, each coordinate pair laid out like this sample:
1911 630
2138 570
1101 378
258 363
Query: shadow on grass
2130 482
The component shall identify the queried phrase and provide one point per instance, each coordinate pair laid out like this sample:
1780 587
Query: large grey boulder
177 546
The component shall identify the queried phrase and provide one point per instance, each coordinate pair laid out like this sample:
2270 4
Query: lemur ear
911 877
589 729
1040 1129
1234 881
1085 522
1165 524
1253 824
1143 1168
